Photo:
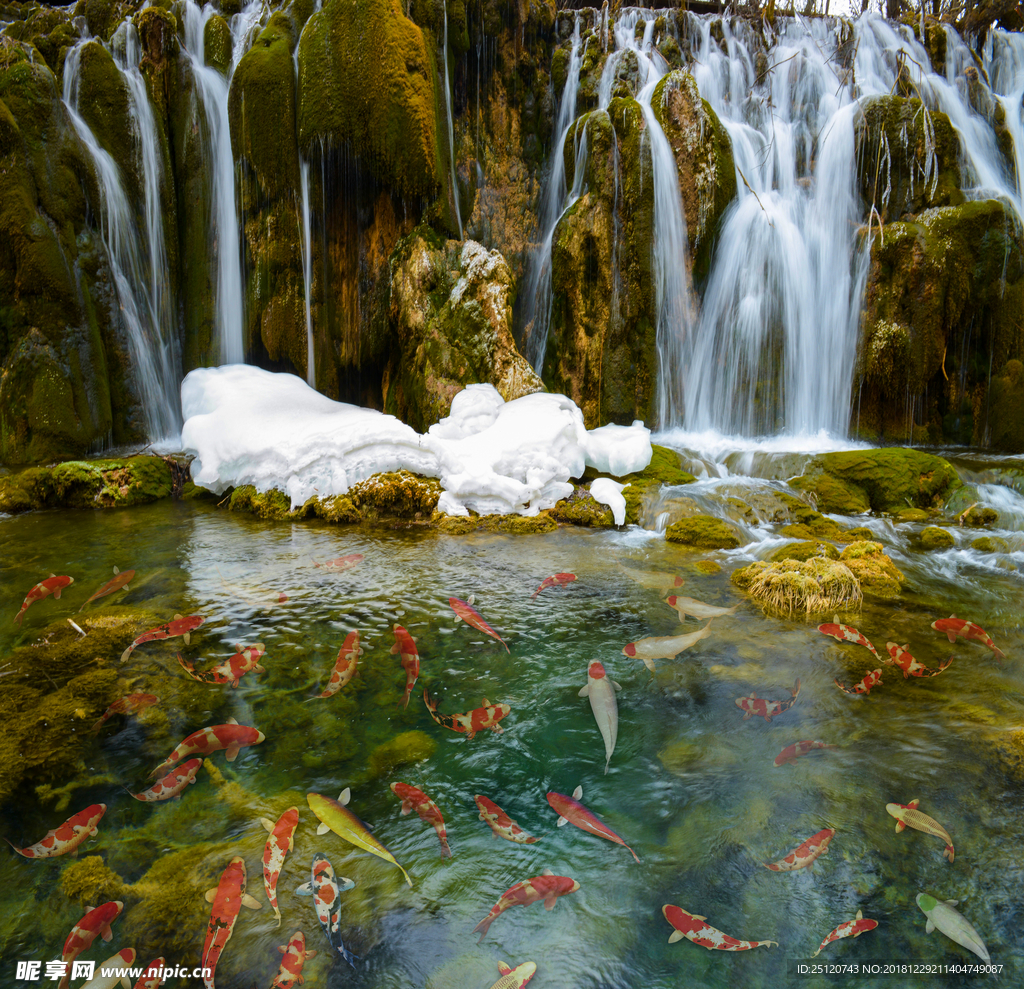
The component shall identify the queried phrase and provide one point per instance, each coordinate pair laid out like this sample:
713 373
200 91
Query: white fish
698 609
601 692
119 963
942 917
663 646
654 580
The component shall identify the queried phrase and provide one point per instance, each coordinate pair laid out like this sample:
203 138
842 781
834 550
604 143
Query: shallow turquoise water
691 788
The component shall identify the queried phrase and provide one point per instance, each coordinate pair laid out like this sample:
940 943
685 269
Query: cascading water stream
305 222
451 129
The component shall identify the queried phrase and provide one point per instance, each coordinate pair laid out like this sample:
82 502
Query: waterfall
138 260
306 248
451 129
212 88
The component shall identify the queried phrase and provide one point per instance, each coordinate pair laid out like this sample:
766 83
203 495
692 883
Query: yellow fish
335 816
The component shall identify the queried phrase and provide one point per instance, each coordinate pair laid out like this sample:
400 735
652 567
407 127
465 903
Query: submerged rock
704 531
402 750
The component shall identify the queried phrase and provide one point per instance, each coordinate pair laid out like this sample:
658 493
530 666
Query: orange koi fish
232 670
847 633
694 927
911 667
180 626
119 582
64 840
95 923
471 722
908 816
952 627
500 823
872 679
417 800
342 562
852 928
129 704
793 752
547 887
117 961
173 783
755 705
405 646
472 617
515 978
230 736
804 856
154 977
279 844
344 666
52 585
558 580
295 954
228 899
571 811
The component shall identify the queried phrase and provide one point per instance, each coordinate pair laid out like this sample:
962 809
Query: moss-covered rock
878 575
978 516
117 483
517 525
643 487
935 537
804 551
703 531
814 586
831 494
580 508
1005 414
217 43
990 544
272 504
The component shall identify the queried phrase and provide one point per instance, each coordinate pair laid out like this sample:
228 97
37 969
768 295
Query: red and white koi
663 646
571 811
342 562
405 647
654 580
472 617
95 923
558 580
325 889
470 722
547 887
804 856
295 954
852 928
601 692
697 609
154 977
65 839
793 752
500 823
344 666
908 816
847 633
754 705
911 667
227 898
695 928
129 704
231 737
179 626
415 799
173 783
119 582
245 659
106 979
279 844
52 585
515 978
952 627
872 679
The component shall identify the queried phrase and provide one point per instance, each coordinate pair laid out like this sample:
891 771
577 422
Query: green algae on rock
813 586
90 881
935 537
804 551
580 508
704 532
402 750
878 575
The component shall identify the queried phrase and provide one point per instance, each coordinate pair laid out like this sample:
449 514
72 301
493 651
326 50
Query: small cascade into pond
451 129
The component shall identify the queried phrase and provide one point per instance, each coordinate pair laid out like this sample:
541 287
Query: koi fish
295 954
793 752
500 823
471 722
325 890
154 977
952 626
558 580
847 633
232 670
65 839
119 582
472 617
180 626
342 562
943 918
852 928
654 580
173 783
908 816
417 800
278 845
95 923
571 811
766 709
405 646
515 978
116 962
601 692
230 736
911 667
335 816
805 855
344 666
253 595
130 704
52 585
663 646
547 887
698 609
227 898
695 928
872 679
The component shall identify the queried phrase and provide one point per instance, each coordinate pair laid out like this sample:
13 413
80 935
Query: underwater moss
403 749
703 531
814 586
90 882
935 537
708 567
